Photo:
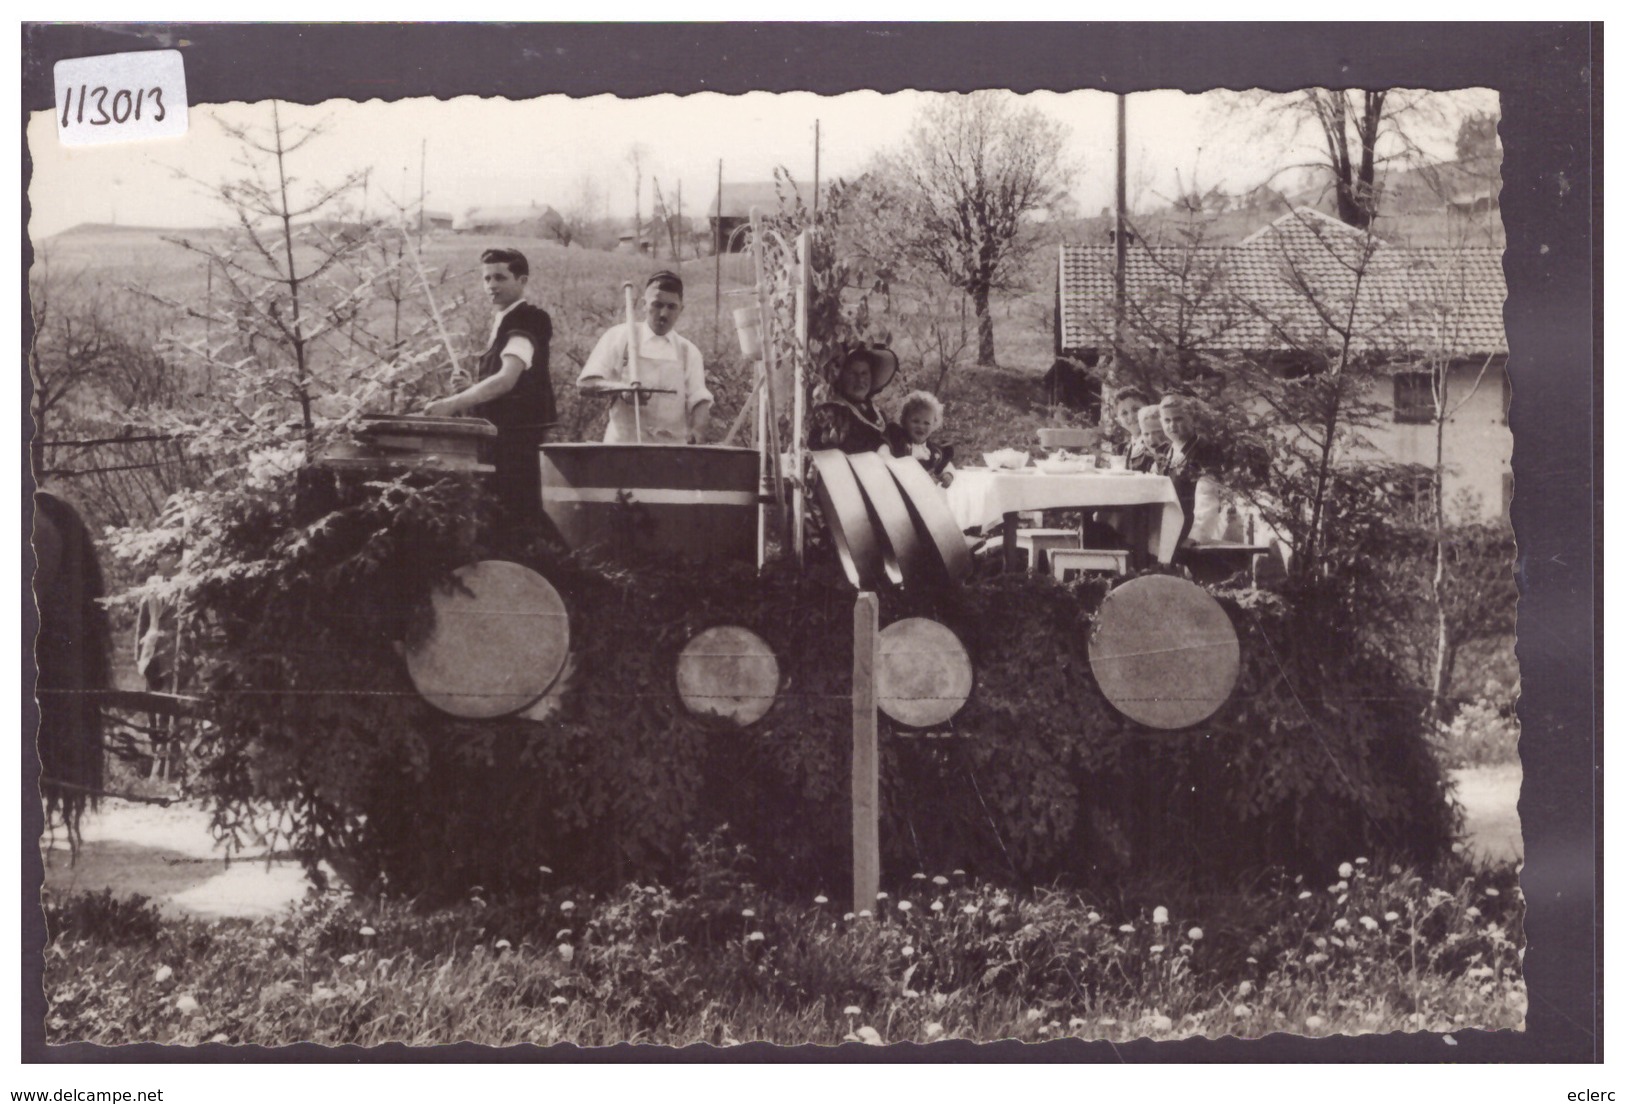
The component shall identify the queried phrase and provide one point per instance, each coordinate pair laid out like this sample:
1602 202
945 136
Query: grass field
715 960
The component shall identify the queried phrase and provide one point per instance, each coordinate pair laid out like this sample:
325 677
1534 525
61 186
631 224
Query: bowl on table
1005 459
1065 465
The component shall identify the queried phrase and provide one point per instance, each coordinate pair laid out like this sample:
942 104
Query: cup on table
1117 462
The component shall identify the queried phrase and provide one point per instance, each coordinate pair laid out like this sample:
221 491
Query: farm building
1279 297
535 220
729 224
438 220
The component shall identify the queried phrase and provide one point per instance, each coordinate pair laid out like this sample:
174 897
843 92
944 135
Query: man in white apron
666 362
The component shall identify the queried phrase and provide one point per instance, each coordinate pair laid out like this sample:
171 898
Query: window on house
1414 499
1413 398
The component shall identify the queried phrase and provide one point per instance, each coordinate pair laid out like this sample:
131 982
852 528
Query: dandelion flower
853 1010
186 1004
504 945
755 937
368 931
162 974
904 906
1305 895
564 932
1491 891
1156 948
1244 988
557 1001
1341 924
1185 948
747 913
958 873
1345 870
969 910
1320 942
918 877
936 906
347 960
939 880
1361 861
1094 917
883 896
1252 960
1368 923
908 950
1034 1014
853 916
1001 902
567 906
1194 934
869 1036
820 900
1126 929
933 1029
1314 1023
1390 916
1242 1011
545 869
567 952
865 914
1159 915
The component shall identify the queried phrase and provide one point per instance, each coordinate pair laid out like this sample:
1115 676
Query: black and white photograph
833 569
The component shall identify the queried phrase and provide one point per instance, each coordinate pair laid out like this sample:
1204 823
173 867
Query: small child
920 417
1148 452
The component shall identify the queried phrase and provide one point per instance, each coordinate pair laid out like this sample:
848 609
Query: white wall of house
1477 443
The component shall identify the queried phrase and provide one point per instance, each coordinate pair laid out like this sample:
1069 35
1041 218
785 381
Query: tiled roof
1296 283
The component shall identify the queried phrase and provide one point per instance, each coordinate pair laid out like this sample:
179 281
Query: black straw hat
882 366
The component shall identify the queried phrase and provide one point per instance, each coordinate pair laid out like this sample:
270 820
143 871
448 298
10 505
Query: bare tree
960 197
637 156
577 215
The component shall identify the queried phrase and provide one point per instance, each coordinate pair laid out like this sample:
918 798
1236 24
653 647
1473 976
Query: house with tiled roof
1290 295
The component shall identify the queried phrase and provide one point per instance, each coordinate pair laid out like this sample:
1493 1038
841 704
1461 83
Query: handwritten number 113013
111 105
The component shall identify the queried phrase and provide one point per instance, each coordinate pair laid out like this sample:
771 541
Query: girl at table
849 419
920 417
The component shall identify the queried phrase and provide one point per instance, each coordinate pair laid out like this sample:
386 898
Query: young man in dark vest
513 391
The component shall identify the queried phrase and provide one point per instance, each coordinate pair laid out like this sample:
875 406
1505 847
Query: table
980 497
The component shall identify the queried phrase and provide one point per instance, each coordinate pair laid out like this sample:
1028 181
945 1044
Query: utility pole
1121 236
817 144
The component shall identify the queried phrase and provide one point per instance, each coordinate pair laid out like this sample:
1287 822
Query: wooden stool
1064 563
1041 542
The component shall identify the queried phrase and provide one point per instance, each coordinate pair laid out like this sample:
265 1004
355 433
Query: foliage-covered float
328 599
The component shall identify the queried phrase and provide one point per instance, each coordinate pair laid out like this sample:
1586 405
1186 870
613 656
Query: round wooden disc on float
939 534
847 515
728 672
922 672
500 638
1164 652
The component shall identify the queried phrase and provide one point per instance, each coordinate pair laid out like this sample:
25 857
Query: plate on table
1065 467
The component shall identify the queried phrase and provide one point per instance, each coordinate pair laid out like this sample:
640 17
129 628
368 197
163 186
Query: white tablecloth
979 497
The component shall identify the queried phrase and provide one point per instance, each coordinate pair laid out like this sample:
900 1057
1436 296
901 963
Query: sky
491 151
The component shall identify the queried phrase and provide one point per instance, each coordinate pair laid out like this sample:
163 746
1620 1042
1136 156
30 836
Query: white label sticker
120 97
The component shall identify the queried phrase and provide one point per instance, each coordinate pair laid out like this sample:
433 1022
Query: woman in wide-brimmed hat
849 420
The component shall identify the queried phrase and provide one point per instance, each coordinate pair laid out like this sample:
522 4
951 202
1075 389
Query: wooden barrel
413 441
1164 652
940 538
640 502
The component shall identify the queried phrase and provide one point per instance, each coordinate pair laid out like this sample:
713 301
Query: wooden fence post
865 753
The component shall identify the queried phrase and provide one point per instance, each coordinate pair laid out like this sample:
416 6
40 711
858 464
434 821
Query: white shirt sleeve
608 357
694 378
522 347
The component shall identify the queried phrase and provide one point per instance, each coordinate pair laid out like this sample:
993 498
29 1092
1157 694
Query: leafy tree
960 196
